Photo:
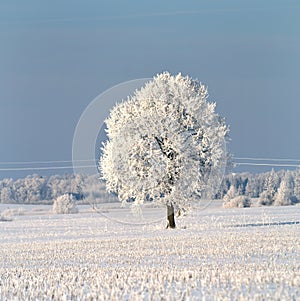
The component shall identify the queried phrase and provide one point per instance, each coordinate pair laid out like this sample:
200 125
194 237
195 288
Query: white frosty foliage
297 185
284 193
165 143
268 195
7 214
65 204
239 201
231 193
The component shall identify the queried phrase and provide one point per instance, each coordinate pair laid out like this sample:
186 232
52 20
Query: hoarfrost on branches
65 204
284 194
268 195
166 143
239 201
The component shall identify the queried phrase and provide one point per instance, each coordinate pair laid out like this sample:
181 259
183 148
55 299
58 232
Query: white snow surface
214 254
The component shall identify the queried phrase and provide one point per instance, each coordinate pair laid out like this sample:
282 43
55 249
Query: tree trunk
170 217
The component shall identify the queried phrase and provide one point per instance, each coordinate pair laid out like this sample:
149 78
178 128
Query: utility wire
42 162
267 164
92 161
44 168
278 163
266 159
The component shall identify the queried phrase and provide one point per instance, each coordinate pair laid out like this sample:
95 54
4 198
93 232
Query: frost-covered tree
60 184
297 185
35 186
239 201
267 197
252 187
166 144
6 195
285 191
76 184
65 204
94 191
231 193
6 192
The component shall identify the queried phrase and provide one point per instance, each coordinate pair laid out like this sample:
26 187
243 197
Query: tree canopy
165 143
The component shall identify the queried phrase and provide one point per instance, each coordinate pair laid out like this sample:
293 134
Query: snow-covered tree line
38 189
265 189
270 188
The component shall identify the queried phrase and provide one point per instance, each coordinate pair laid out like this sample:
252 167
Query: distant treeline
270 188
37 189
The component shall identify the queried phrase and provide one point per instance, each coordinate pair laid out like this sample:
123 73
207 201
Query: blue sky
56 56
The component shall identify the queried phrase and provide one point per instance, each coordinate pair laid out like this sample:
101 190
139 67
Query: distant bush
65 204
240 201
281 201
14 211
266 198
5 216
5 219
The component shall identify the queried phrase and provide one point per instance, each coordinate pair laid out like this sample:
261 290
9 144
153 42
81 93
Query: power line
90 166
43 168
268 164
41 162
31 168
266 159
93 161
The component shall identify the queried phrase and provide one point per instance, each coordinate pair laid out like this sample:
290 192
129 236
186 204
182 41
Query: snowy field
214 254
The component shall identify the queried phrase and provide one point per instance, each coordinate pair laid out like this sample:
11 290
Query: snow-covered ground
214 254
